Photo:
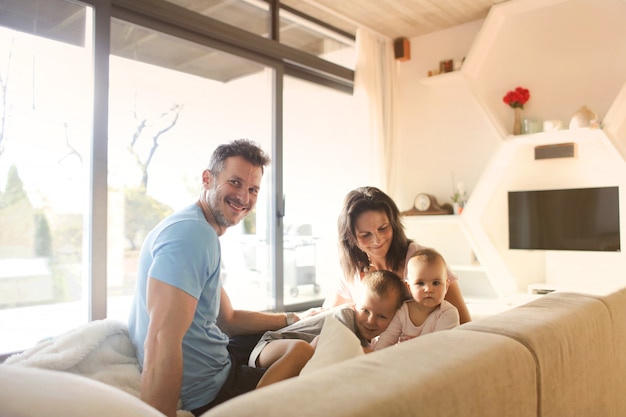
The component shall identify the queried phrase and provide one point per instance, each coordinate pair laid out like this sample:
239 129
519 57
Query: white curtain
374 86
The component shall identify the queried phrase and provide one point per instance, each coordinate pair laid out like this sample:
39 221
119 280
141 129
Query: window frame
179 22
182 23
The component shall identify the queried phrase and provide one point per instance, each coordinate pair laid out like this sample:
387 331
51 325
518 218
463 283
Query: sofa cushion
33 392
616 304
336 343
441 374
570 337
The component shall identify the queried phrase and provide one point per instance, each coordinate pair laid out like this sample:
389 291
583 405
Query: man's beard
218 215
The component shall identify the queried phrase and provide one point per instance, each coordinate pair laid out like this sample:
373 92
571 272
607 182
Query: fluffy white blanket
100 350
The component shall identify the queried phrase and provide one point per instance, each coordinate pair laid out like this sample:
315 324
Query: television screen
582 219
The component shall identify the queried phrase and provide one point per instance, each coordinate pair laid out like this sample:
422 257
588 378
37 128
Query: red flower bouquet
517 97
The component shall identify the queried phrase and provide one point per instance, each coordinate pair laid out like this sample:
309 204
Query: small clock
423 201
427 204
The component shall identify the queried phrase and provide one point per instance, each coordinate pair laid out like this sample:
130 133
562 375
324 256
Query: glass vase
517 120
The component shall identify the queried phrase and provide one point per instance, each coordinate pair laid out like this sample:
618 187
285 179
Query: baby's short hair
384 284
428 256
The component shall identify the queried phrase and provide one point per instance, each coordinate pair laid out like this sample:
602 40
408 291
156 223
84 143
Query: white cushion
34 392
336 343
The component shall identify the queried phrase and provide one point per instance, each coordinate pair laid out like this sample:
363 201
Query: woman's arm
448 318
454 297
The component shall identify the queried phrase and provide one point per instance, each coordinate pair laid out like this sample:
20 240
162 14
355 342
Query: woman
371 237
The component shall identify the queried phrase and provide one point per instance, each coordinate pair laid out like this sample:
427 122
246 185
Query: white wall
596 164
441 127
568 53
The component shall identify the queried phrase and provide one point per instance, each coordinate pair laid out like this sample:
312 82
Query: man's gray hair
246 148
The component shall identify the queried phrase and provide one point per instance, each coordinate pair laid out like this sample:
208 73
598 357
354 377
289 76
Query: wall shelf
517 34
431 218
441 78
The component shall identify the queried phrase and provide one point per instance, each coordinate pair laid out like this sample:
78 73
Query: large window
324 158
249 15
45 131
175 90
164 122
316 38
293 28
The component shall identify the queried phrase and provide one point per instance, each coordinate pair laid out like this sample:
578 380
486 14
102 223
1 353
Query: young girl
427 311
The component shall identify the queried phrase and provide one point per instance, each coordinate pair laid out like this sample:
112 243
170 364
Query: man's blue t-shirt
184 251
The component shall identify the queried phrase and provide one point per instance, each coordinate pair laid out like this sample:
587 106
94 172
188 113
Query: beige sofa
563 354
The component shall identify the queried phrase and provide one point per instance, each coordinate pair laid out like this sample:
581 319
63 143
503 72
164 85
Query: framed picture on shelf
446 66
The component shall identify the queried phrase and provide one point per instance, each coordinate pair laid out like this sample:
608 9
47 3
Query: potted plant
459 197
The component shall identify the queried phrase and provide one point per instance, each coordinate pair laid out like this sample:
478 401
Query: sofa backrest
470 374
571 339
616 304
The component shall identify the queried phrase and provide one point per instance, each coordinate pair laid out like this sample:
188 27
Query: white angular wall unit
583 62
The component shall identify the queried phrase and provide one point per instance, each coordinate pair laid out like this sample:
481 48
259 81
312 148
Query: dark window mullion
170 16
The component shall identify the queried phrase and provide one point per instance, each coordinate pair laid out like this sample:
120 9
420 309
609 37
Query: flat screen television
581 219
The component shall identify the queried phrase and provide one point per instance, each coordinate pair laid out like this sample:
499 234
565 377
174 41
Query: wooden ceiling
395 18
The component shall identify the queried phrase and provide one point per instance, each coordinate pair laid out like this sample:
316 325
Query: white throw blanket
99 350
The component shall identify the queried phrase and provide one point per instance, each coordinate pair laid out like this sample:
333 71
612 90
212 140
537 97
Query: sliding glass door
92 156
171 103
325 156
45 136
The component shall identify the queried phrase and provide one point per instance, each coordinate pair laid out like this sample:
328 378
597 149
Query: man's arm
171 312
239 322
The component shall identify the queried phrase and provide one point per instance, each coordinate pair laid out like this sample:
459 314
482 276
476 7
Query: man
181 317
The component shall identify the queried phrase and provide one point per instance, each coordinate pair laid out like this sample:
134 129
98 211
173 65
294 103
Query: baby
427 311
285 352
